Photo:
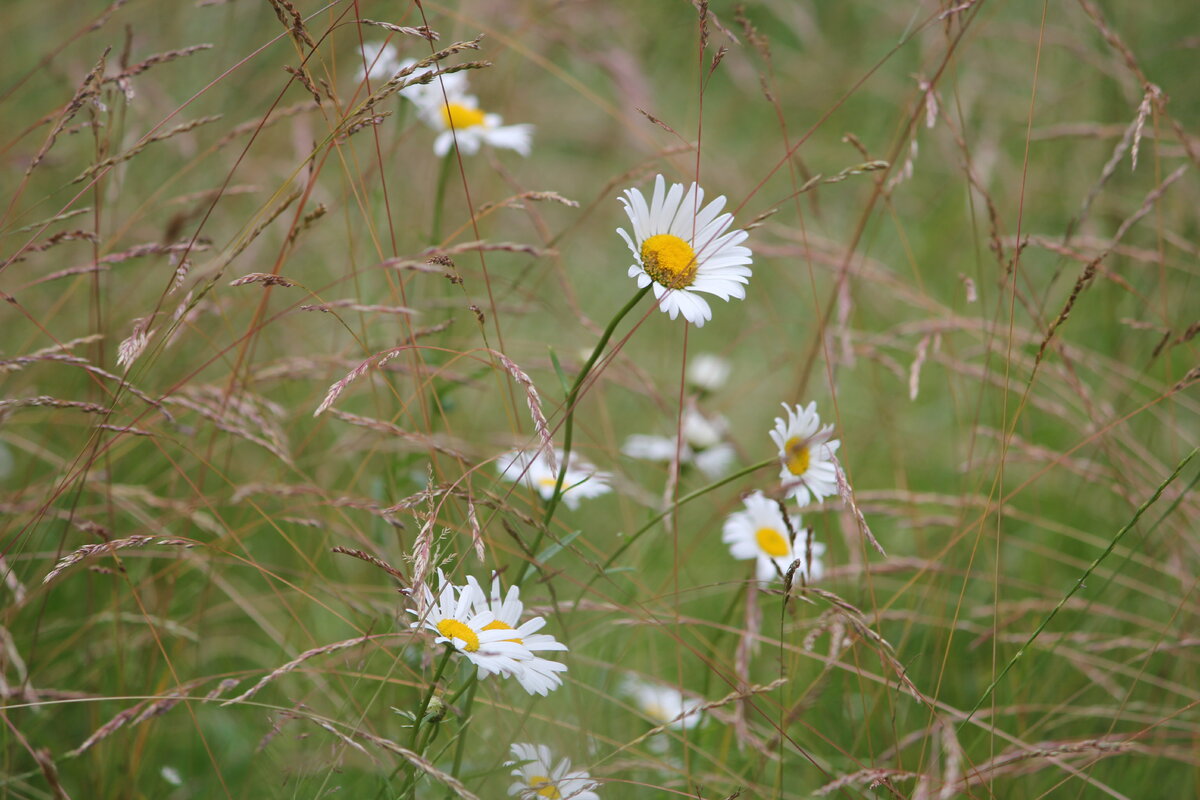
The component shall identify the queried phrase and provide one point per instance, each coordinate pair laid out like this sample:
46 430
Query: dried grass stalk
90 550
134 345
355 306
420 439
490 247
291 19
265 278
869 778
422 31
43 223
476 531
847 495
370 559
142 145
419 761
45 401
245 415
534 401
914 374
295 662
12 582
89 90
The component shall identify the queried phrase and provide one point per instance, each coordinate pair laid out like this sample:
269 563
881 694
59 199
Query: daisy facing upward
683 249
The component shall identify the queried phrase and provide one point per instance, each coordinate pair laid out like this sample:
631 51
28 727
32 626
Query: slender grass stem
1079 584
410 783
569 427
657 518
439 198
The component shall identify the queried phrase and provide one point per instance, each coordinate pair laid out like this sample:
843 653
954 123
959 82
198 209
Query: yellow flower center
669 260
771 542
656 712
797 456
460 116
453 629
549 482
545 787
497 625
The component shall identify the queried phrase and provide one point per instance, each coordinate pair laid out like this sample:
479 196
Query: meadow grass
263 354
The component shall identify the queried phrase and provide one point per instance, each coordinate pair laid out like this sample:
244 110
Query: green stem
1079 583
657 518
461 746
435 234
569 427
410 783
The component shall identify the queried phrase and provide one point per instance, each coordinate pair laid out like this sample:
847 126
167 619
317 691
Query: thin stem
657 518
1080 583
410 783
569 427
435 234
461 746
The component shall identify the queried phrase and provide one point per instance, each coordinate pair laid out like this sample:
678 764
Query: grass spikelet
424 765
146 141
421 31
534 402
264 278
88 91
370 559
291 19
132 347
307 655
92 550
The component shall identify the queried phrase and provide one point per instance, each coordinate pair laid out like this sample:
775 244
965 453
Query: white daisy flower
381 62
716 461
702 444
682 249
445 105
702 431
760 532
664 704
806 452
581 481
654 448
707 372
537 776
460 617
538 675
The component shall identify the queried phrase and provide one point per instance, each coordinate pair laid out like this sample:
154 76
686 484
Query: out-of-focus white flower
381 60
581 481
664 705
445 105
701 431
760 532
683 249
702 444
537 675
707 372
806 453
538 776
716 461
654 448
